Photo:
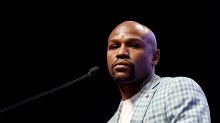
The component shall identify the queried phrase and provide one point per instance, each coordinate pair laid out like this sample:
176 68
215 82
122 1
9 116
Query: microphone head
93 70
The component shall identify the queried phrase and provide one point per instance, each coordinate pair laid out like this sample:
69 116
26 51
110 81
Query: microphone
92 71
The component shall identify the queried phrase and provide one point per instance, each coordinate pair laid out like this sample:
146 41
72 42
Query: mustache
122 62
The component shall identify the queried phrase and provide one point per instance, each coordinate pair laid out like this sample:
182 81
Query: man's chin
124 79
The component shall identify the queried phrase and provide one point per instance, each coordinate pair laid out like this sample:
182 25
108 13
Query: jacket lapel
142 103
117 114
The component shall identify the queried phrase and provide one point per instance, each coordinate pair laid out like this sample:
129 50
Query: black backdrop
44 48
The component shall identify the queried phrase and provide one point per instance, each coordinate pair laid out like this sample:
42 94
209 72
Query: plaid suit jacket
169 100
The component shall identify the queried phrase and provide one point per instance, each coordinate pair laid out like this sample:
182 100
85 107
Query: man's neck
128 90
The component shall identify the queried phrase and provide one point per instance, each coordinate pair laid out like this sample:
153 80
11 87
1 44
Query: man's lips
121 65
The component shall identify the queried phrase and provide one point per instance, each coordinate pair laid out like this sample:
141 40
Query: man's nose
123 52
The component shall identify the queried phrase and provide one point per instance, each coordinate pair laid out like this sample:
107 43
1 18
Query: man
132 55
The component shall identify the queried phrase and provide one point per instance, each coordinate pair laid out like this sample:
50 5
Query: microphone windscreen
93 70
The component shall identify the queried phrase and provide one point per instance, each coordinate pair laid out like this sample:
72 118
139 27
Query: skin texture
131 56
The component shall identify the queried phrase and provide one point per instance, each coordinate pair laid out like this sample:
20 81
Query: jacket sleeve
186 102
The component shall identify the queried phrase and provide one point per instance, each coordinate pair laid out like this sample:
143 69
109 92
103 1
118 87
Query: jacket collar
150 86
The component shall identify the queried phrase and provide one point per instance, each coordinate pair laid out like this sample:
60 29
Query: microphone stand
91 72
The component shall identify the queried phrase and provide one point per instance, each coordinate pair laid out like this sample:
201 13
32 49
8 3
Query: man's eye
134 45
114 46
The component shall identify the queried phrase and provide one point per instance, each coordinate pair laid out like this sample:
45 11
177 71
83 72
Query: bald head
132 52
134 27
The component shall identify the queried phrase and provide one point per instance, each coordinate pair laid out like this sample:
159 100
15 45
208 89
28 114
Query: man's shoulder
179 81
179 88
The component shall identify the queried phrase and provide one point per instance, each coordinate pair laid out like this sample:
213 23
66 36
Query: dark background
43 47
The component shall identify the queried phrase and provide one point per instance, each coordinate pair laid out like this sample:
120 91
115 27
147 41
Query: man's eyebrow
127 40
134 40
113 41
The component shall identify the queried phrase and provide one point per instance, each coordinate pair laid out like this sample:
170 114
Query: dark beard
128 79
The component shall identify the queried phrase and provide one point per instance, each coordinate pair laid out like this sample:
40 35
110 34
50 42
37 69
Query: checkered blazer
169 100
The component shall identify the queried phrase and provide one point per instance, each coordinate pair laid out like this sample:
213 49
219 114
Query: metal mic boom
91 72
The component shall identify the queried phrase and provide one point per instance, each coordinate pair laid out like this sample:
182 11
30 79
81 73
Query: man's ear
156 57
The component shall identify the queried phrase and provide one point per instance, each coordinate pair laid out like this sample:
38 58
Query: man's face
129 55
